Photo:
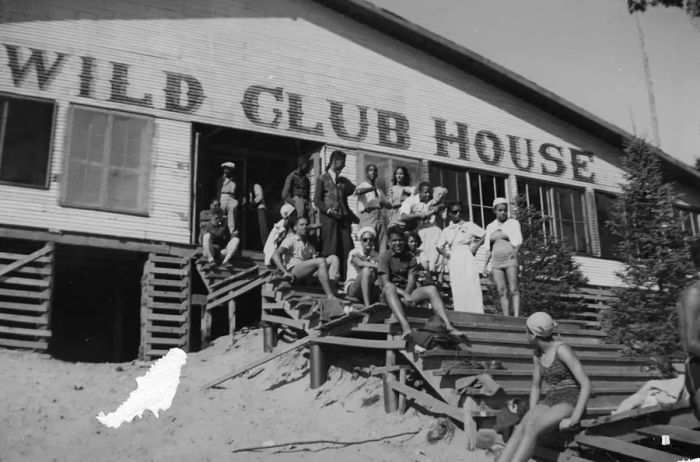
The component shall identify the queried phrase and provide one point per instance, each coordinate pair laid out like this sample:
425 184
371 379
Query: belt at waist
227 194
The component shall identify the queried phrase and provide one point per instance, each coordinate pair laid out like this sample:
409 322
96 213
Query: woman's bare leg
394 301
499 278
512 275
430 293
367 278
548 419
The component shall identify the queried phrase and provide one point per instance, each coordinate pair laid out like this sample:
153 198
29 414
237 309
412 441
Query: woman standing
504 239
398 192
569 389
458 243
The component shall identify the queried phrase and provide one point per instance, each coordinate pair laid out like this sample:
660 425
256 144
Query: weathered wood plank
177 295
38 295
39 307
168 282
25 331
296 324
635 413
427 401
173 271
258 362
361 343
37 320
167 329
168 259
19 281
181 306
250 286
624 448
167 317
172 341
25 259
41 344
684 435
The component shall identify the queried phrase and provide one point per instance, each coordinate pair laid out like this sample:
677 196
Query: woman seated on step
398 271
569 389
298 259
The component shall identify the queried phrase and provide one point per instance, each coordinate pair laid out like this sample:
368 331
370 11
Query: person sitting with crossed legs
398 270
361 279
298 259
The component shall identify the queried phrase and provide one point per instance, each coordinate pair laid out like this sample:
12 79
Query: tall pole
650 86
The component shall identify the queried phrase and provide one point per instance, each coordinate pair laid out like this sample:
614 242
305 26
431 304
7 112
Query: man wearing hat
227 196
297 187
361 279
331 198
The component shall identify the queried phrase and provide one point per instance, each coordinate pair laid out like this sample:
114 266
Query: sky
587 52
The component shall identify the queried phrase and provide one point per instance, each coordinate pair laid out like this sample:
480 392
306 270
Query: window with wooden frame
108 156
690 221
26 127
564 210
475 190
386 166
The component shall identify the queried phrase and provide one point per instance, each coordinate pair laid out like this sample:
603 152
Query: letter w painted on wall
44 73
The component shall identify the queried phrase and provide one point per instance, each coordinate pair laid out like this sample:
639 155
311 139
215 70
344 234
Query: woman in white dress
458 243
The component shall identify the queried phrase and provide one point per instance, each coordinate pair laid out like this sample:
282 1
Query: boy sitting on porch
299 260
217 241
398 270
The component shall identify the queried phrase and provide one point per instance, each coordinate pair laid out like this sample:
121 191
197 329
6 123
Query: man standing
397 270
217 240
370 201
299 261
689 326
227 193
331 198
297 187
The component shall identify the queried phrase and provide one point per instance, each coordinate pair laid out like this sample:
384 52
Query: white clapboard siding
169 193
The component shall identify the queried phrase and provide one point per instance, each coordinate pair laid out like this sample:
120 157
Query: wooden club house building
116 115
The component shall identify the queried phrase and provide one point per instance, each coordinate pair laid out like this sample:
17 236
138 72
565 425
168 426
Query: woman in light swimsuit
567 394
504 238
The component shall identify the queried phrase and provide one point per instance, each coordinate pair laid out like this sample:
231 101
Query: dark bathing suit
563 387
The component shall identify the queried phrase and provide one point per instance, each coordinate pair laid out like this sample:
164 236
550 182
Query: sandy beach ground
48 413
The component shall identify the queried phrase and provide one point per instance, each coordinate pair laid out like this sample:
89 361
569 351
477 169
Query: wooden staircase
491 338
225 283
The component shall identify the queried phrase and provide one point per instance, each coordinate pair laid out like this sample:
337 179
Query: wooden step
523 377
438 359
676 434
489 342
612 445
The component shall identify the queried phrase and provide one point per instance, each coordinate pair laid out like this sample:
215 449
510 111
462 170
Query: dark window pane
26 144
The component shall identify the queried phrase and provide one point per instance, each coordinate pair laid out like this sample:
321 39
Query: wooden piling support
231 321
390 396
319 365
269 337
402 397
205 326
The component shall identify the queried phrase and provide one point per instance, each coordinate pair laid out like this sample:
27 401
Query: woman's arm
567 355
536 382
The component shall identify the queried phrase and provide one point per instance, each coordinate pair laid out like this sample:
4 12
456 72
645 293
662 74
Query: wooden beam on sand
296 345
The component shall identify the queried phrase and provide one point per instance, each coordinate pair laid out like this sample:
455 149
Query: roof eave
494 74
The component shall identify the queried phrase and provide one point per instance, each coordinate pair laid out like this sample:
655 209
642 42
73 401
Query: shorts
692 378
354 289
